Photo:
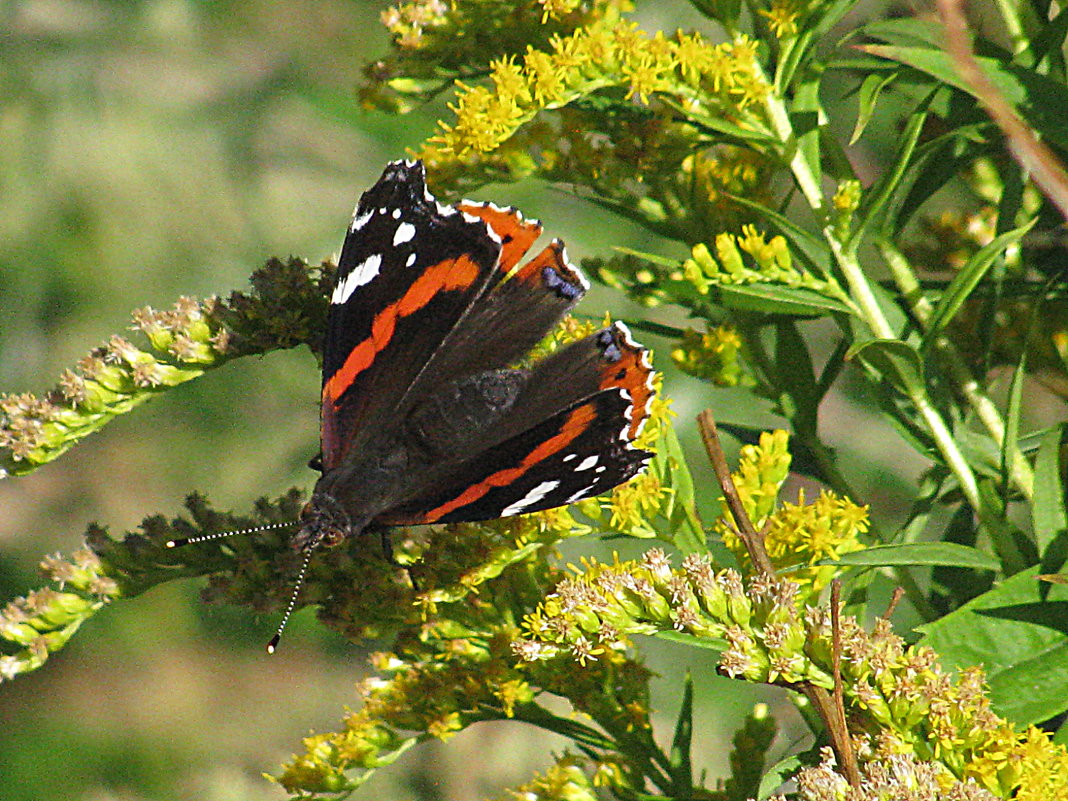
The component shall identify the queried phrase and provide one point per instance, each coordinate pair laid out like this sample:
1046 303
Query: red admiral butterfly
424 417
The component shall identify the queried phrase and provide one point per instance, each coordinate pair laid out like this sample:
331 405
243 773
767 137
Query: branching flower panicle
897 694
707 78
42 622
285 309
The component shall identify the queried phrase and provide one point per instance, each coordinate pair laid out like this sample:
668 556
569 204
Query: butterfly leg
387 554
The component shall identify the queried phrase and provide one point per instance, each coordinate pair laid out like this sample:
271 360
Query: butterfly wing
568 436
409 270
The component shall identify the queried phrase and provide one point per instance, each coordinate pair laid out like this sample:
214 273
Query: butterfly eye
332 536
306 513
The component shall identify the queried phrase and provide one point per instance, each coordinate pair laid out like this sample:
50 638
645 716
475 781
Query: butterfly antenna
180 541
292 601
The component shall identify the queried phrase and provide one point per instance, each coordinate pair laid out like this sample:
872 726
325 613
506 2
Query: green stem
862 292
985 410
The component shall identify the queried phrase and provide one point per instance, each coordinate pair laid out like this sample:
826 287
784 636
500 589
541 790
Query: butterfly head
323 523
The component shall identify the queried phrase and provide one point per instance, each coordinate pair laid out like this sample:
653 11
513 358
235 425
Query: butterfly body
425 416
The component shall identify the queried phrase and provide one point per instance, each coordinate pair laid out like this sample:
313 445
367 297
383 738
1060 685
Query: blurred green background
154 149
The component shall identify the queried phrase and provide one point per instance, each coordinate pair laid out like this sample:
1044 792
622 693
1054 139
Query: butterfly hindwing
567 435
578 452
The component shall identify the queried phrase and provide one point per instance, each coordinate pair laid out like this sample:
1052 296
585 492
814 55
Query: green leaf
896 361
679 758
892 183
684 529
805 119
652 258
1018 632
967 278
1039 99
946 554
1012 546
1012 425
906 31
777 775
778 299
795 378
866 100
1048 515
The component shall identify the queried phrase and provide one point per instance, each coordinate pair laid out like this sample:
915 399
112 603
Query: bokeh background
168 147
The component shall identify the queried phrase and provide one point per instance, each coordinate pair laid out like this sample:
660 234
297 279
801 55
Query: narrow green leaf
652 258
891 184
777 775
896 361
967 278
793 53
683 638
1048 514
778 299
946 554
1012 425
1012 546
680 759
805 116
684 528
905 31
867 99
1041 100
796 379
1018 632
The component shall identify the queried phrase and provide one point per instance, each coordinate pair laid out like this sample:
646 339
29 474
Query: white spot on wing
405 231
361 221
410 261
578 496
531 498
396 214
587 463
361 274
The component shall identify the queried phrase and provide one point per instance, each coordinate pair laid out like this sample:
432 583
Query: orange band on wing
577 422
515 233
445 276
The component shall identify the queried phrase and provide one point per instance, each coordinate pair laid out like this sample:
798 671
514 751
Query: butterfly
425 417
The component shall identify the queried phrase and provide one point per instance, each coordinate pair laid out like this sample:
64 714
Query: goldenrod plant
797 272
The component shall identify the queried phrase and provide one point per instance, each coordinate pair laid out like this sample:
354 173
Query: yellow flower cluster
762 468
712 355
795 535
770 260
565 780
439 695
703 76
783 16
